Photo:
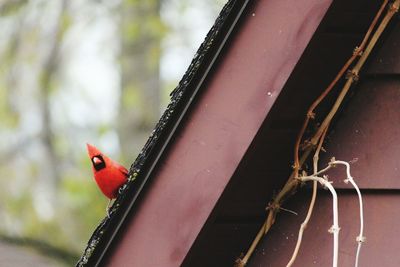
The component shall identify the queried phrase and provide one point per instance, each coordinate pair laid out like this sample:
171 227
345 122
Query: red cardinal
109 175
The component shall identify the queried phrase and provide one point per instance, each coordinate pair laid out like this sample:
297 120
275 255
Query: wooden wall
367 130
367 133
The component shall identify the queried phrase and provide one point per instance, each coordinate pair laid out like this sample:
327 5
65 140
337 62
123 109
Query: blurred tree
47 84
30 53
141 33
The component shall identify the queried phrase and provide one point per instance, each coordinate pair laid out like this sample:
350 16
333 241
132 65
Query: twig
290 211
310 113
335 227
353 74
304 224
360 238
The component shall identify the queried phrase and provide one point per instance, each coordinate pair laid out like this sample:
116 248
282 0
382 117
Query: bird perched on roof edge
109 175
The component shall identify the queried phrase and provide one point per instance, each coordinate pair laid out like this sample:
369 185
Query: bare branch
360 238
310 113
335 227
304 224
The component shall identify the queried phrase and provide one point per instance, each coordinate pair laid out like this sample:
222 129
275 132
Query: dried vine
316 176
304 224
362 51
310 113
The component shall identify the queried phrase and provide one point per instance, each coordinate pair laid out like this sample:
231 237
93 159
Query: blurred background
71 72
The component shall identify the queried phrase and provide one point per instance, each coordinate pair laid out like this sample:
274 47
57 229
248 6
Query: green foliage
131 97
103 129
131 31
79 206
9 8
65 23
8 117
84 201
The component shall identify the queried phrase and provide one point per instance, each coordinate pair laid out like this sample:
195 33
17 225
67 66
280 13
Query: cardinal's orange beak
92 150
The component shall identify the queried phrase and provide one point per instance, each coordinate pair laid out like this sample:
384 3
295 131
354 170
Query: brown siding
267 163
367 131
387 60
381 230
369 127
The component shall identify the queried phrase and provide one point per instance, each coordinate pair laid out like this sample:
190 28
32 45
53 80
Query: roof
181 98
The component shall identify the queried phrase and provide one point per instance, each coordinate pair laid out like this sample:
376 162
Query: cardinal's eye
98 162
